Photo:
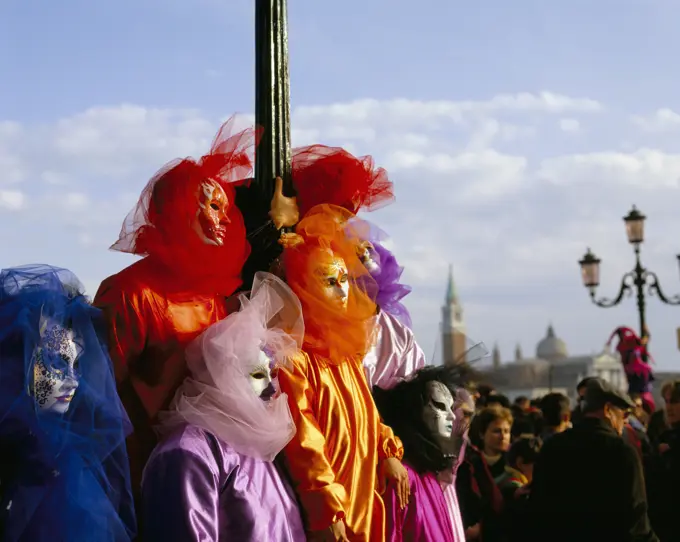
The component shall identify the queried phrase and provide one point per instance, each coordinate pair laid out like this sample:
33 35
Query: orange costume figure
194 245
341 447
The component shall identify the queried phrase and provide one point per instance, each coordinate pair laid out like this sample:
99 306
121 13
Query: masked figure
213 476
327 175
636 362
428 413
194 244
340 444
64 471
395 354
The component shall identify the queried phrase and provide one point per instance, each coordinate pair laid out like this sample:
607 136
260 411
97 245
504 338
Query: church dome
551 348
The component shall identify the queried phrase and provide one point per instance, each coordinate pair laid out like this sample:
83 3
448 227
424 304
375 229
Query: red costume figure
635 360
193 242
331 175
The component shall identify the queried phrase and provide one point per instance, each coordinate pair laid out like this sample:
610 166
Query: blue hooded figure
64 472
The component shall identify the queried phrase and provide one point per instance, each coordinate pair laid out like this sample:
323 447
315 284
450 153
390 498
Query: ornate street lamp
638 279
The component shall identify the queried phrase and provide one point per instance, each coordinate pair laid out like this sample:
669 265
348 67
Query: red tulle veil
161 224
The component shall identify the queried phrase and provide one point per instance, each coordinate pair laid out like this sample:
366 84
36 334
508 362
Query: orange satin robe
333 459
149 328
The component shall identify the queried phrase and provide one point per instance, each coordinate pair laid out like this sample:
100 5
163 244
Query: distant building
454 341
552 368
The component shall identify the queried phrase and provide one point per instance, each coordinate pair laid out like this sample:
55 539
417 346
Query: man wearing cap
588 483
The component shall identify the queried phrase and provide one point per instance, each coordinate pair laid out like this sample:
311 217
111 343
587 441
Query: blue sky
510 190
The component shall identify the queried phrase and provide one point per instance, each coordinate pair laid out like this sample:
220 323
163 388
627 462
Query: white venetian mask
260 377
55 380
367 256
438 413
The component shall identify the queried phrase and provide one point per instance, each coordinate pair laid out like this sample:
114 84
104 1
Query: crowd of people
254 377
606 468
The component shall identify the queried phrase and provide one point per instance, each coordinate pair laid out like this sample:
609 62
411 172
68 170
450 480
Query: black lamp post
638 279
273 154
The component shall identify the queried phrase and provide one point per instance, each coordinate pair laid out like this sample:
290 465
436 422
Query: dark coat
663 481
479 498
588 486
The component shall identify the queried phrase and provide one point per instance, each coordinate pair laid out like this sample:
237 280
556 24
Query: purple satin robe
394 356
196 488
425 518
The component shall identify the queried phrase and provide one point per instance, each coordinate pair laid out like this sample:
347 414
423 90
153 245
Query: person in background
556 415
663 472
577 414
522 403
519 469
498 399
515 487
608 500
658 422
481 502
634 432
482 393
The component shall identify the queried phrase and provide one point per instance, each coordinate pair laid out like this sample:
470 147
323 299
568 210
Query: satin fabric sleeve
389 444
406 350
321 496
395 356
126 325
180 497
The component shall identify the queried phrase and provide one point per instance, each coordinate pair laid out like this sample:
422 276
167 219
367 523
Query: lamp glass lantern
590 270
635 226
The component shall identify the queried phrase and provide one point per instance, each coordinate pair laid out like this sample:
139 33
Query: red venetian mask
211 218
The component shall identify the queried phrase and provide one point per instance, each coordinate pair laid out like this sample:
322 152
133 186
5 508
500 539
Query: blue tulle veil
62 476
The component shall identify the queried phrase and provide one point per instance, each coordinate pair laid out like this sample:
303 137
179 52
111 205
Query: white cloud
661 120
478 184
404 110
486 173
644 168
569 125
11 199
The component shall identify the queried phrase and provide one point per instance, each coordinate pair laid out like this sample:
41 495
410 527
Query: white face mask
260 377
367 257
55 380
438 413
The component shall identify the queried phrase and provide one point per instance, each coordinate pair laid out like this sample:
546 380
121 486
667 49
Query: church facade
552 368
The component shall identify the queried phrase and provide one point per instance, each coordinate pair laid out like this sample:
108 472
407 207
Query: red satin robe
149 328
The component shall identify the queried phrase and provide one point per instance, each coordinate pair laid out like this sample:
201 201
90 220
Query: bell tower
454 340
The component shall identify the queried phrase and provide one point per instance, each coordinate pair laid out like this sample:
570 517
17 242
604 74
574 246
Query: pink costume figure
213 477
427 413
395 354
635 360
